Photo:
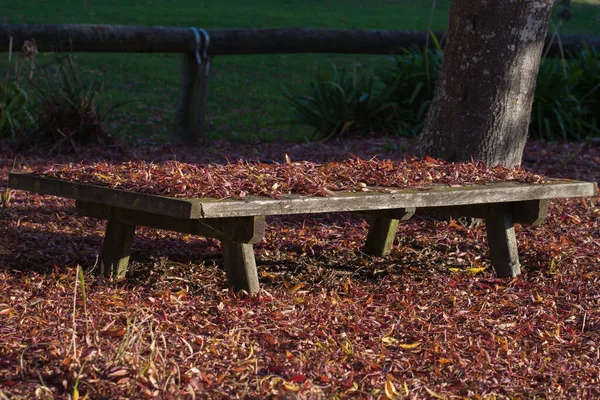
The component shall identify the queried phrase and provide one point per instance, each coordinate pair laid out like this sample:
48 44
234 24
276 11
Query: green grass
245 96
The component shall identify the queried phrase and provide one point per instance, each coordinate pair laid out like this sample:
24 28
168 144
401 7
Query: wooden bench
240 223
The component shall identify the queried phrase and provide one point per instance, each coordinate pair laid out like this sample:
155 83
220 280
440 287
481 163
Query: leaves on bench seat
242 179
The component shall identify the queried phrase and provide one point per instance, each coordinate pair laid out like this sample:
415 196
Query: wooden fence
199 46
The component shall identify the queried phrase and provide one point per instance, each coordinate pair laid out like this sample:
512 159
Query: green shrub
343 102
566 101
67 111
556 113
412 78
588 89
566 104
15 118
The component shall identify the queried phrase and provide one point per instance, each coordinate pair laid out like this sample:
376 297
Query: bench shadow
46 248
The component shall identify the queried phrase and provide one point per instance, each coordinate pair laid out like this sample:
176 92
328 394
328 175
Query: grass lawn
245 98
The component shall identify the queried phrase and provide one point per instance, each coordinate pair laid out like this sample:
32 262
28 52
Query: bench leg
240 266
116 249
502 242
380 238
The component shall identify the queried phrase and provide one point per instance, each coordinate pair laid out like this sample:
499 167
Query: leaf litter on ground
329 321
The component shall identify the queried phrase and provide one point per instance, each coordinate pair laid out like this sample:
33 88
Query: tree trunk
482 105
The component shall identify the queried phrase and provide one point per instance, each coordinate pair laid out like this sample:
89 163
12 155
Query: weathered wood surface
164 39
502 241
382 231
169 39
240 266
236 229
381 235
193 96
529 212
442 196
116 249
404 198
168 206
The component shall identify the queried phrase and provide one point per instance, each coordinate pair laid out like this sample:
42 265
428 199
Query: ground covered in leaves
429 321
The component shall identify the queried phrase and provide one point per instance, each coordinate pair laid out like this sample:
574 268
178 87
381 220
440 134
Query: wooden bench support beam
237 229
502 241
193 94
530 212
116 249
240 266
382 231
380 238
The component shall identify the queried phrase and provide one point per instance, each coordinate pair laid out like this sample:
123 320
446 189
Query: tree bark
482 105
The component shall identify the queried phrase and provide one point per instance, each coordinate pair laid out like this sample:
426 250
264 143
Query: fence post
193 93
191 107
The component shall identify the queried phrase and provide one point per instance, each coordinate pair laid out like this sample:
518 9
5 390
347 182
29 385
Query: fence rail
165 39
196 66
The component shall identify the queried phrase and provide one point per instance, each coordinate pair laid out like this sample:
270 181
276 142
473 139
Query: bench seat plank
441 196
405 198
163 205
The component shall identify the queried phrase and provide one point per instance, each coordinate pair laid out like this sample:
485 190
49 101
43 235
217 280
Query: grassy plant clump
15 118
343 102
56 106
67 108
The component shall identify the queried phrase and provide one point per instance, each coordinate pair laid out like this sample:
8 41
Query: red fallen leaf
206 378
349 380
113 332
298 378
